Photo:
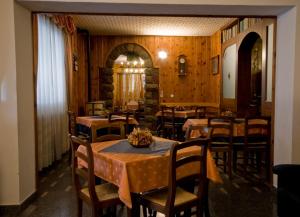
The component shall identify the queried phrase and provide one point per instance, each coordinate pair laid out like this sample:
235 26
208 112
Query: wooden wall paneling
82 76
197 71
197 50
72 82
216 79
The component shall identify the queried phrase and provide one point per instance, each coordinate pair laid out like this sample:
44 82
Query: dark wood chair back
221 129
200 112
83 175
200 177
72 122
221 140
211 111
168 120
96 196
257 131
258 140
110 131
122 116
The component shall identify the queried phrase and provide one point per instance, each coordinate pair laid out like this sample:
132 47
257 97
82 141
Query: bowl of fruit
140 138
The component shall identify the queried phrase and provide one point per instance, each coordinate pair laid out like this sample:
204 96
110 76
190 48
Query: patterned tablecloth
181 114
92 121
136 173
238 127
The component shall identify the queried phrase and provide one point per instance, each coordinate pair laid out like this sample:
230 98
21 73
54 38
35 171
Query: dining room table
184 114
85 124
238 126
135 170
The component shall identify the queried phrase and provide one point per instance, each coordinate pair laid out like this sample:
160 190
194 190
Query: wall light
162 54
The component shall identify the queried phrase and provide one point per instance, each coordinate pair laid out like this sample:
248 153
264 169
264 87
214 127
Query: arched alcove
249 81
151 101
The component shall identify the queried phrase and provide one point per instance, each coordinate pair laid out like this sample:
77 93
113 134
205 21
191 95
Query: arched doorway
249 80
151 100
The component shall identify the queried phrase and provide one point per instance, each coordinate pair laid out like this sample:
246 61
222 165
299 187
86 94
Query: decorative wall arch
151 102
246 104
129 47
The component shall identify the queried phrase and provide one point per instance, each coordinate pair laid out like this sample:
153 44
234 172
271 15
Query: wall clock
182 65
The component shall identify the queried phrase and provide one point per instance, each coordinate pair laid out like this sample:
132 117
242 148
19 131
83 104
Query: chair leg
145 214
199 211
129 213
79 207
225 161
229 164
206 208
245 163
234 160
96 212
267 164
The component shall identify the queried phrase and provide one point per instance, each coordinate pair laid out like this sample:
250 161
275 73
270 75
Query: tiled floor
236 198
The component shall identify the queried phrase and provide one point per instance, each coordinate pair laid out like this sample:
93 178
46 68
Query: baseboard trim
16 209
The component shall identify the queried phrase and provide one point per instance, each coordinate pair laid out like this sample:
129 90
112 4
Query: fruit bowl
140 138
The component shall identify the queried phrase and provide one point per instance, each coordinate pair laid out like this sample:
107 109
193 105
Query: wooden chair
73 131
173 199
211 111
200 112
107 132
122 116
72 122
221 140
257 141
73 127
96 196
170 127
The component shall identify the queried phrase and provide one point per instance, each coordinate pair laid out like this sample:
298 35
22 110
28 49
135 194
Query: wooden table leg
206 205
135 210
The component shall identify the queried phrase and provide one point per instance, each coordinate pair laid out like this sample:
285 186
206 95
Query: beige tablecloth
180 114
238 128
93 121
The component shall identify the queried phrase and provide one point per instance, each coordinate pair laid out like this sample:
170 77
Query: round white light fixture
162 54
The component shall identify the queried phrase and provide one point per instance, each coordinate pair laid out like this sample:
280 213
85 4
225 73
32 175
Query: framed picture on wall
215 65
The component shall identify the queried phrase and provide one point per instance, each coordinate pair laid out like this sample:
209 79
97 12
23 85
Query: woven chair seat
104 192
160 197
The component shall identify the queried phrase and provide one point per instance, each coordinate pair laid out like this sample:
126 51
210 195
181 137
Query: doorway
249 80
151 80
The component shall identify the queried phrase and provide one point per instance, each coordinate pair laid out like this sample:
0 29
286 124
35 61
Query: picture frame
215 65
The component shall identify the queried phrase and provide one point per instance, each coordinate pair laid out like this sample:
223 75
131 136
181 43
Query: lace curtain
128 87
51 93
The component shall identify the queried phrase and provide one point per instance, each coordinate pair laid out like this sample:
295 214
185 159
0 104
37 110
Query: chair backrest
200 111
109 131
221 130
177 161
211 111
82 175
197 131
257 130
121 116
167 115
72 122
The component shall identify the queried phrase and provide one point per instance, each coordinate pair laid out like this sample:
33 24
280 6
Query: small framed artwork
215 65
75 62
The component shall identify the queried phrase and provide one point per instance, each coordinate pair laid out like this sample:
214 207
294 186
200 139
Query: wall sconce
162 54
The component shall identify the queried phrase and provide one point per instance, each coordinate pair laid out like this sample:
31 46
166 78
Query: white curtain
51 93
